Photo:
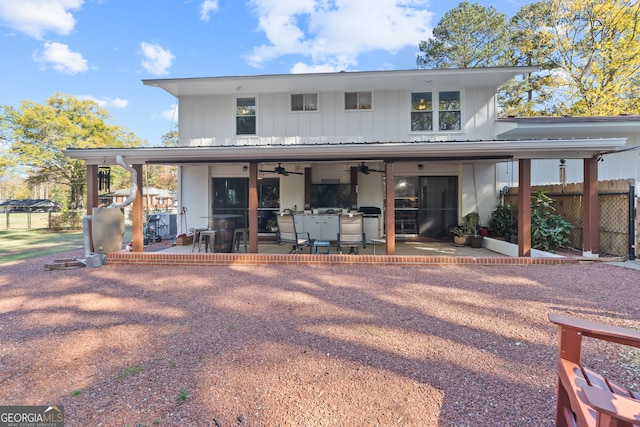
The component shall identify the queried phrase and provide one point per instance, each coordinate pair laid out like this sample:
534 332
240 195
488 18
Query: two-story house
422 147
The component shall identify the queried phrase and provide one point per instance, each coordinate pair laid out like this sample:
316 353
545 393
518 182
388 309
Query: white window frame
421 111
236 116
443 111
436 111
305 102
358 101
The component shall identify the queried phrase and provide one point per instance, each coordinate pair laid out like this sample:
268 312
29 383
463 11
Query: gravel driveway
302 346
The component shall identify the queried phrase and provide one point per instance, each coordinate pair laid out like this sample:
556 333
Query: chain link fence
617 218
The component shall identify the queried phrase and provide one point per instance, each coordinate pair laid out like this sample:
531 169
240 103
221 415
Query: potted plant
472 223
460 235
272 225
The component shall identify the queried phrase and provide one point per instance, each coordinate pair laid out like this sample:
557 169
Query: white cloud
302 68
156 60
36 17
207 7
106 102
170 114
334 33
61 58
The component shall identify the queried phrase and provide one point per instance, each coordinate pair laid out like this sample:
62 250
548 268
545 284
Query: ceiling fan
280 170
364 169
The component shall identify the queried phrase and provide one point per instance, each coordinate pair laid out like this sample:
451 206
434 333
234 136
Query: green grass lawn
18 245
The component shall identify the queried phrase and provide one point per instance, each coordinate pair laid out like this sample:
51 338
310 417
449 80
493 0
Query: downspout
133 193
133 182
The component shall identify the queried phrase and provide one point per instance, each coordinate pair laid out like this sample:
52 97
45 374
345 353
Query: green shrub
66 220
503 221
548 229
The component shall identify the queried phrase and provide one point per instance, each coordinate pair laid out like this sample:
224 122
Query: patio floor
419 247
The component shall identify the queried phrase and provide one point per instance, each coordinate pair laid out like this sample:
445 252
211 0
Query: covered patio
388 154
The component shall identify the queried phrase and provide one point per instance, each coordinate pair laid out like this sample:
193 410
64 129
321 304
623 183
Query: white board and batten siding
210 121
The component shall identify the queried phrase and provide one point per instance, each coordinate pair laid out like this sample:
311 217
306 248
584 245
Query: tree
530 94
170 139
588 52
597 48
469 35
164 176
38 133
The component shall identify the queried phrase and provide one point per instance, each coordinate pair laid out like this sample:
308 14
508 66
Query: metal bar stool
240 234
196 238
209 239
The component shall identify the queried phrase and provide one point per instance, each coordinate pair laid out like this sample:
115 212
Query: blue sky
102 49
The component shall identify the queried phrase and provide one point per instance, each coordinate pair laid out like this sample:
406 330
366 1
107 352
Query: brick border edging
213 259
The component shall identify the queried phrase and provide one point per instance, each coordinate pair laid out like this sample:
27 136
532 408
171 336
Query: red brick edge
211 259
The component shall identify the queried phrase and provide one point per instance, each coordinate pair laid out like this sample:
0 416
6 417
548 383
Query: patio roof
369 151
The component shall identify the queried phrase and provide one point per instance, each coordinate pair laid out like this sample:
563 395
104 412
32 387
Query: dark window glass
421 111
358 101
246 116
449 116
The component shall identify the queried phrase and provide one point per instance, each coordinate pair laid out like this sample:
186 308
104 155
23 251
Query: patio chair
287 234
351 232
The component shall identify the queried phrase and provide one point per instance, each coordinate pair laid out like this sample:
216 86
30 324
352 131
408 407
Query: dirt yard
302 346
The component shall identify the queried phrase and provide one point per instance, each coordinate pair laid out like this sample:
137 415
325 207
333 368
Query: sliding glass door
438 208
231 197
426 205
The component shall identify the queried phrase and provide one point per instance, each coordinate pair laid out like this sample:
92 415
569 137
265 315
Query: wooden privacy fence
617 217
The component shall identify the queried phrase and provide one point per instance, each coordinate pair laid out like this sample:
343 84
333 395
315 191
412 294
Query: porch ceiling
390 151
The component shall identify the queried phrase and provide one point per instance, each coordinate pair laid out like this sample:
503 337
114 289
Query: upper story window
421 111
449 117
304 102
358 101
246 113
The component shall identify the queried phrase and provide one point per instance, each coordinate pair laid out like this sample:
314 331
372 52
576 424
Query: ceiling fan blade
280 171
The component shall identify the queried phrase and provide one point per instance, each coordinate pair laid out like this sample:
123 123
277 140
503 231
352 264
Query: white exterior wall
478 193
193 182
208 121
480 113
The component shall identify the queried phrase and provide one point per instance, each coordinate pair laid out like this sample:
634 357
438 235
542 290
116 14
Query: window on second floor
421 111
304 102
246 113
358 101
449 117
